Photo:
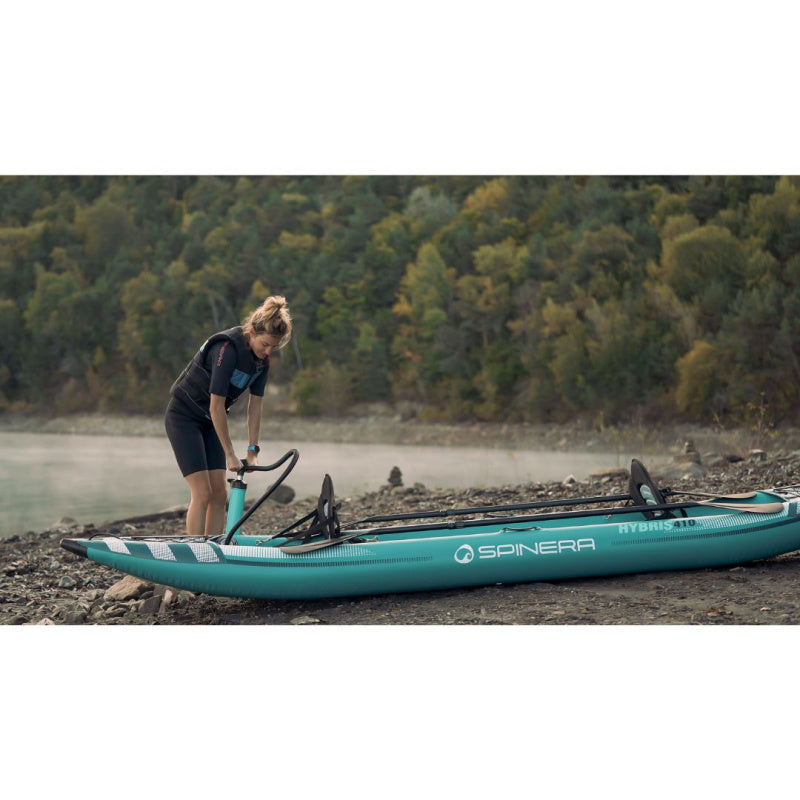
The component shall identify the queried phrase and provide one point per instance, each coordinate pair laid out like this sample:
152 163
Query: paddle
755 508
309 546
760 508
455 512
741 496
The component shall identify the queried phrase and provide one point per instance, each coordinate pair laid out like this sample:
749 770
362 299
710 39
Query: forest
497 298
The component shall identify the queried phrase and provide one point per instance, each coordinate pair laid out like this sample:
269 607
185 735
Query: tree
105 227
701 381
11 346
776 219
567 358
431 210
369 365
706 267
158 334
603 262
423 307
61 335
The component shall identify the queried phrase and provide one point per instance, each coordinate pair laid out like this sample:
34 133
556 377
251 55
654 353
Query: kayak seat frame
644 492
324 520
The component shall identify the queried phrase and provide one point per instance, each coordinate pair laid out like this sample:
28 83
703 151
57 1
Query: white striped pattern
161 551
117 545
203 552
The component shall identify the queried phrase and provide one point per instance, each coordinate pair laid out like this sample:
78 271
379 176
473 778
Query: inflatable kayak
637 532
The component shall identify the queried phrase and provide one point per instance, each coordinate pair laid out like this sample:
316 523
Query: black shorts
194 442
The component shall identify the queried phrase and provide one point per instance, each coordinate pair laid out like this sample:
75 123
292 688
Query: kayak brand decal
658 525
466 554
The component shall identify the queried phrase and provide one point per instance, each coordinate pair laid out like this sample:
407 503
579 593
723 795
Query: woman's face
262 344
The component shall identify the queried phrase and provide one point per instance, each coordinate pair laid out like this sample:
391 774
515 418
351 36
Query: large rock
283 495
689 454
129 588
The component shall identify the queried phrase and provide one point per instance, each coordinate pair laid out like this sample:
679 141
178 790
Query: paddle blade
753 508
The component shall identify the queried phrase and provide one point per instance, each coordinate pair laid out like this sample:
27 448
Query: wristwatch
253 448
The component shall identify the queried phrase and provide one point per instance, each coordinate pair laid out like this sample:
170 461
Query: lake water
97 479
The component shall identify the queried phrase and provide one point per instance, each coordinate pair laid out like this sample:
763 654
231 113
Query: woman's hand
233 462
252 458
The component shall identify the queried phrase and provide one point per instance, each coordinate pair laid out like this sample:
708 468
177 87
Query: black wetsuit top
226 366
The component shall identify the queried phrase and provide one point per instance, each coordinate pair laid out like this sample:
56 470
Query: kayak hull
460 555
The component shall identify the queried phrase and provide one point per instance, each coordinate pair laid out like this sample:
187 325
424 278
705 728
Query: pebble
150 605
75 614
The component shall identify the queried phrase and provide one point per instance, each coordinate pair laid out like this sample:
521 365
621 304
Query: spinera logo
464 554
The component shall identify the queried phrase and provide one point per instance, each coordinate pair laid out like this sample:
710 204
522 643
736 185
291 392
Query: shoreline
393 429
658 447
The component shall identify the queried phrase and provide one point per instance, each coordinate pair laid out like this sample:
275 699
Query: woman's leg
215 515
199 504
202 463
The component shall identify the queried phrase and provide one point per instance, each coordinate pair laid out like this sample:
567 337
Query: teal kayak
615 534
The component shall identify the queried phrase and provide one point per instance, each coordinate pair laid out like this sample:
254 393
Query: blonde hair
271 317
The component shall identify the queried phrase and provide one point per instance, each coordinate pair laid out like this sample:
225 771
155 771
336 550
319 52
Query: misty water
97 479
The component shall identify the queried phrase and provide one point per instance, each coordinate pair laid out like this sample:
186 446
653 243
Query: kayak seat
324 520
327 517
644 492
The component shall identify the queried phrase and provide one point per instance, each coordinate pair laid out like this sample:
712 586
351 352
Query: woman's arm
220 420
253 423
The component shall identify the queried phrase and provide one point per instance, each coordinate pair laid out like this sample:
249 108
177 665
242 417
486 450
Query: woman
196 419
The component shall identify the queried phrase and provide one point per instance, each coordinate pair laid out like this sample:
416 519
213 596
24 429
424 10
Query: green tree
706 267
423 306
11 345
157 335
776 219
105 227
60 325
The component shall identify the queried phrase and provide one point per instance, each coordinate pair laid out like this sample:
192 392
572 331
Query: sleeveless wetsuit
225 366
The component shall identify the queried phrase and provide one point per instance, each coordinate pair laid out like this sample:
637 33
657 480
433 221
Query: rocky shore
379 425
41 584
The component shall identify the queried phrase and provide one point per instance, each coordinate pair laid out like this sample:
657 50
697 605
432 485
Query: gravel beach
42 584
